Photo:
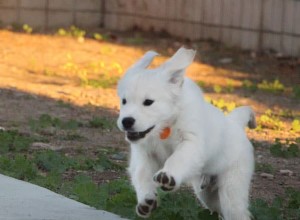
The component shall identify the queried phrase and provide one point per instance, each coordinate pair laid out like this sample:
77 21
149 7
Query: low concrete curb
20 200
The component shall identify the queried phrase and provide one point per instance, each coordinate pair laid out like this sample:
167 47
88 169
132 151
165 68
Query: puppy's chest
161 150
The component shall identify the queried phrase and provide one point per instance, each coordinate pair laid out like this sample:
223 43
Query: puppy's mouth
134 136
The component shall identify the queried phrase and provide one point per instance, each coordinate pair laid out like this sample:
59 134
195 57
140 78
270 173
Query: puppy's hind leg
206 190
234 193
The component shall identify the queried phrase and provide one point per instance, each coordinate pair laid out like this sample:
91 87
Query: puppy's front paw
145 208
166 182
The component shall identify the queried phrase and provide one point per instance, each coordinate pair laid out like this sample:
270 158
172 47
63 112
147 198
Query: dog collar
165 133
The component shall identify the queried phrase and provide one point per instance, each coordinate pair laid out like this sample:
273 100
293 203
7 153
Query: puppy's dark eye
148 102
124 101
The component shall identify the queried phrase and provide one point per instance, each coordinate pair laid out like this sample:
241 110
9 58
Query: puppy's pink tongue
165 133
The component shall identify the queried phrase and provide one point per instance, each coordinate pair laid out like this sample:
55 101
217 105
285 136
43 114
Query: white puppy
176 137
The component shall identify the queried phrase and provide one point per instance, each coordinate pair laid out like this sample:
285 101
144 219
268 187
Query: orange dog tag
165 133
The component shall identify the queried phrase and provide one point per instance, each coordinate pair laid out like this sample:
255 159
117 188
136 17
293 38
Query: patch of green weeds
229 88
61 103
224 106
274 87
103 81
286 113
104 163
296 91
249 85
179 206
27 29
18 166
296 125
269 120
51 161
73 31
279 209
86 191
101 122
96 74
16 26
100 37
14 141
217 88
52 180
201 84
286 149
120 199
45 121
264 167
137 40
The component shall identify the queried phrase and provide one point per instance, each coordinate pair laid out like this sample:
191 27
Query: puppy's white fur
204 143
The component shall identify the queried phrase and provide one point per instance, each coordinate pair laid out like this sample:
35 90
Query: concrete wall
51 13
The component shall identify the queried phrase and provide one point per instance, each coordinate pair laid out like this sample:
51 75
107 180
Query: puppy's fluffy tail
244 116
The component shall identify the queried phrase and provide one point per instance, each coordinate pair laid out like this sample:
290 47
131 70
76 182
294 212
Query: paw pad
144 209
166 182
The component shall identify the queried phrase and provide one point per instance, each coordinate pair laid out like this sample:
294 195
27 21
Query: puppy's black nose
128 122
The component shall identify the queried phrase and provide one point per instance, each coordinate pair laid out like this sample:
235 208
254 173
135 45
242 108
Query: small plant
224 106
46 121
27 29
275 87
264 167
270 120
103 123
296 91
73 31
229 86
137 40
86 191
100 37
296 125
286 149
248 85
217 88
279 209
18 166
51 161
13 141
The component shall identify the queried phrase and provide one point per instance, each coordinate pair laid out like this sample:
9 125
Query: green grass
101 122
27 29
280 209
46 121
49 169
296 125
274 87
269 120
264 167
223 105
72 31
249 85
14 141
296 91
286 149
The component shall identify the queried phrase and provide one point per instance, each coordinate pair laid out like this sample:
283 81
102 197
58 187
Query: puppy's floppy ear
175 67
145 61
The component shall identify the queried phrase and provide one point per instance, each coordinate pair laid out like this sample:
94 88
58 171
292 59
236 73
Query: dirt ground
41 74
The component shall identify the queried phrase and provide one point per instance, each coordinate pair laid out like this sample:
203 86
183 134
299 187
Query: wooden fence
249 24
